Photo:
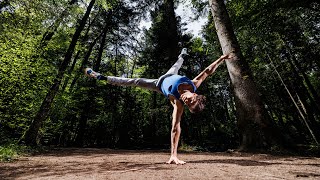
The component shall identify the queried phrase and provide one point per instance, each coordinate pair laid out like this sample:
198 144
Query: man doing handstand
178 89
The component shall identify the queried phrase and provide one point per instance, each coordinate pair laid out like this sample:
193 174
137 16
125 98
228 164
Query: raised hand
228 56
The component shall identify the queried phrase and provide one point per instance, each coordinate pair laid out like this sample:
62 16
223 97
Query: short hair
200 104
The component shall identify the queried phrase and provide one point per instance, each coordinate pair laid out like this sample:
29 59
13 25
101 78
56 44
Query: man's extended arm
176 130
209 70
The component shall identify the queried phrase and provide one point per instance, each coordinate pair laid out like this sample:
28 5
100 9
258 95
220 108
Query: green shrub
11 151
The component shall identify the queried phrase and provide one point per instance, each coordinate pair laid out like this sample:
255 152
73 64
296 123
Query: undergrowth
9 152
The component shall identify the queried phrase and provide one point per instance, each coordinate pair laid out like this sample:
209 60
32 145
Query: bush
11 151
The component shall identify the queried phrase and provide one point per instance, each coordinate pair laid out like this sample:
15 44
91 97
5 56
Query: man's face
189 99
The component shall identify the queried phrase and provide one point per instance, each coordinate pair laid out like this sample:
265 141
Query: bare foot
175 160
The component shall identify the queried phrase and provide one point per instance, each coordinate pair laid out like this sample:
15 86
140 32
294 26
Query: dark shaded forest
45 99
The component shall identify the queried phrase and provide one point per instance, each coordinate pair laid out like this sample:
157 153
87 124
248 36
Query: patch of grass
189 148
9 152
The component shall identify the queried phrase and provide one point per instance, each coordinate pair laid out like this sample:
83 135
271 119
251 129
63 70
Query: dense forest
267 98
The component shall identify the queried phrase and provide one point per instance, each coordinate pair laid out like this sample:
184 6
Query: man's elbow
209 71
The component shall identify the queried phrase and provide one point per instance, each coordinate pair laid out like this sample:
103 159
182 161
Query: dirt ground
93 163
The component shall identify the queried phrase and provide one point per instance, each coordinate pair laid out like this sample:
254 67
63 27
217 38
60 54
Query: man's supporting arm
176 130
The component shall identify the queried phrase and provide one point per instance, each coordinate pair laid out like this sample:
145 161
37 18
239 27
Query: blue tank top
170 85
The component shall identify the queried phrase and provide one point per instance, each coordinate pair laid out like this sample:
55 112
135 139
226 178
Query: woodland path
91 163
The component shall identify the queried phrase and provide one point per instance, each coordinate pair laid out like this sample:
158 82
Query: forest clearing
91 163
76 76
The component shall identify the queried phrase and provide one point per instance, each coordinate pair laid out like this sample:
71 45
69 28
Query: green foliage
10 152
188 148
22 78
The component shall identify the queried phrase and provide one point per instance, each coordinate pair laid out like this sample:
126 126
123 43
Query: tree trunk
66 81
102 44
172 29
89 109
31 134
315 99
83 64
82 42
302 113
252 118
54 27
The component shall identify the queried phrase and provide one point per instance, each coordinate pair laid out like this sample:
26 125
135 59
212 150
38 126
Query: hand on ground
175 160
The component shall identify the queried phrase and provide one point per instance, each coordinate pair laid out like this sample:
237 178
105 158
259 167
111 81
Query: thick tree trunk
252 119
31 134
172 30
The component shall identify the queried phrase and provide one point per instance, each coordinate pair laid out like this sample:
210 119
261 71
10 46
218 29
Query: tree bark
254 126
30 137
